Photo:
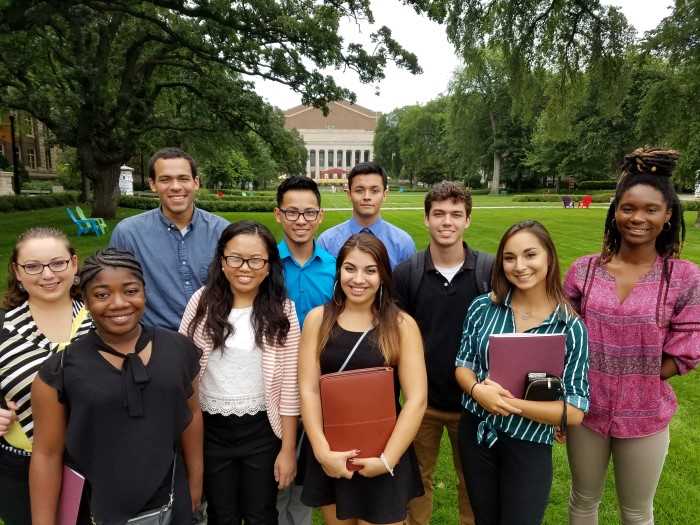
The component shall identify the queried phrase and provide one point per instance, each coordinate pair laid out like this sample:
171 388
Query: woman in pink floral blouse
641 305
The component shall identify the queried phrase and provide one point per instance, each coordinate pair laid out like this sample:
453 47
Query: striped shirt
279 364
23 349
486 317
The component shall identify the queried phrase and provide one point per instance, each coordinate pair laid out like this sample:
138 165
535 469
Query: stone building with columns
335 142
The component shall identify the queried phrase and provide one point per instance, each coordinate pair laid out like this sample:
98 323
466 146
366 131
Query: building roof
341 115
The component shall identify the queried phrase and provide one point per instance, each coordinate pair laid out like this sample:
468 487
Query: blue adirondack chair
84 225
100 221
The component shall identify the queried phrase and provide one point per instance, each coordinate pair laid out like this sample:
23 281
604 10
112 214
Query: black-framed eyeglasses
254 263
309 214
35 267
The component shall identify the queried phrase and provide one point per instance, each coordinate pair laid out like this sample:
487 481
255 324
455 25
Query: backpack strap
416 269
482 271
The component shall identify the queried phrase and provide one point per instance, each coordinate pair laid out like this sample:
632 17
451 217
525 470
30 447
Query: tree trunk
697 220
106 191
496 181
105 179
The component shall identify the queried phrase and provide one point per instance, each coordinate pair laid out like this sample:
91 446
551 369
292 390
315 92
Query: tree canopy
103 75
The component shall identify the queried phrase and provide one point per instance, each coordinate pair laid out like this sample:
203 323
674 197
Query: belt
13 450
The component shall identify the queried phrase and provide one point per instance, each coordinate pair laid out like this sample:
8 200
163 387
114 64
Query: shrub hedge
224 205
691 205
600 197
596 185
36 202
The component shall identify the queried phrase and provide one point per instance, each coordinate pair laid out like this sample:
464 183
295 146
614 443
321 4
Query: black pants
239 460
509 483
14 489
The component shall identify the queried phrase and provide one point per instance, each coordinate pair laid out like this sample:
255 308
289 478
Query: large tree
422 142
103 74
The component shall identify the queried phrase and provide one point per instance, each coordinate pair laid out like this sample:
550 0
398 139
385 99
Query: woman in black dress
362 301
122 402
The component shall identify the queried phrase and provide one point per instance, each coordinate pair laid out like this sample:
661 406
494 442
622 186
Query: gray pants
638 463
290 508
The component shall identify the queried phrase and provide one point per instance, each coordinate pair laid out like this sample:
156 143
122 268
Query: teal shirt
484 318
310 285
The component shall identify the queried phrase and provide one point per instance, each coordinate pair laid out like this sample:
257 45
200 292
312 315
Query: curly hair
14 296
652 167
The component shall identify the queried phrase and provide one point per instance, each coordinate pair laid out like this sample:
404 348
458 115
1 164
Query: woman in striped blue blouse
506 443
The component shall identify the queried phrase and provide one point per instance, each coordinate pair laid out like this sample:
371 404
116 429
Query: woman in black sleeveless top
122 401
380 491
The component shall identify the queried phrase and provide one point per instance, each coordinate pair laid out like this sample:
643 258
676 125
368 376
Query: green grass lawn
576 232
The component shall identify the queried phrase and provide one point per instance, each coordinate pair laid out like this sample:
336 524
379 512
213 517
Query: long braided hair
108 258
652 167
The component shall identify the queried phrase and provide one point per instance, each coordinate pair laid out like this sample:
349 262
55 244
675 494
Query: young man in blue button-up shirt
367 190
175 242
309 274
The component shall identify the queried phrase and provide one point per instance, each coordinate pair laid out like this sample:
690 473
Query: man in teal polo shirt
309 274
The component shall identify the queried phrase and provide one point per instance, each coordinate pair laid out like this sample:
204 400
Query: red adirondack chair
585 202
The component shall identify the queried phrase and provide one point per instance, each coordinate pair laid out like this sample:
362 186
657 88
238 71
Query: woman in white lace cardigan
249 335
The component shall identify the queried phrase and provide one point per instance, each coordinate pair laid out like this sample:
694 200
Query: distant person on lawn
175 242
436 286
367 190
309 274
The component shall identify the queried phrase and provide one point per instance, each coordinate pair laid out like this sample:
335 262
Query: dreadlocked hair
108 258
652 167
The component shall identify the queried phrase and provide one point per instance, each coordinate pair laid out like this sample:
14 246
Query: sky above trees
428 40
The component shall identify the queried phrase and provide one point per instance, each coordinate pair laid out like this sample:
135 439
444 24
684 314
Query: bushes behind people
223 205
37 202
601 197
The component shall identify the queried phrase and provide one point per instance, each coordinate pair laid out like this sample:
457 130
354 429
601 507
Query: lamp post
16 182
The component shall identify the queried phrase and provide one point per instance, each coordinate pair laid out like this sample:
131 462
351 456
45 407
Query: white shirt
233 382
450 271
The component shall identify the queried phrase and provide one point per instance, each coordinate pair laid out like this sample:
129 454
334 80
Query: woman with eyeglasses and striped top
43 312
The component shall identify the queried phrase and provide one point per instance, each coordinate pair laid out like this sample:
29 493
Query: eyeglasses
293 215
254 263
35 267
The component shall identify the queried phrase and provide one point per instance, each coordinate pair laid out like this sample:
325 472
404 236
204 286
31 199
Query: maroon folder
71 492
359 410
513 356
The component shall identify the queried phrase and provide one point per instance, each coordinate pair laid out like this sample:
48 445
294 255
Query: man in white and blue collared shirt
367 190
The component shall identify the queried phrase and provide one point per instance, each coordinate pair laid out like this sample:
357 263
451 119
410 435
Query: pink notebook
513 356
71 492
